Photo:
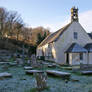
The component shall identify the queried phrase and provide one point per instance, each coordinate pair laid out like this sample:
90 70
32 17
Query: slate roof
88 47
54 36
75 48
90 35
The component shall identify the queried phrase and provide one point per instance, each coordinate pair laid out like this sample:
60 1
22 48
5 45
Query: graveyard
45 46
20 78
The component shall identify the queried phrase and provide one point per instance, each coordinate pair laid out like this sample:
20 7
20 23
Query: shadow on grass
37 90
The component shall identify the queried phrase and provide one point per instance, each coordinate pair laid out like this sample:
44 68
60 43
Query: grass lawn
20 82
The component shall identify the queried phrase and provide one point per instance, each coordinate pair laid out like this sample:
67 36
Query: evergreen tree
45 35
40 38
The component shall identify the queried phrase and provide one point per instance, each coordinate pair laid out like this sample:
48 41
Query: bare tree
18 27
3 21
13 19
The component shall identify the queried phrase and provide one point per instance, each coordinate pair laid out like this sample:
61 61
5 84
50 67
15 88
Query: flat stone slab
5 75
4 63
33 71
28 68
58 73
86 72
52 65
12 64
45 63
67 68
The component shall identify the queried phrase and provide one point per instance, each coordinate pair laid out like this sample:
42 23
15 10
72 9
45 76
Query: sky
52 14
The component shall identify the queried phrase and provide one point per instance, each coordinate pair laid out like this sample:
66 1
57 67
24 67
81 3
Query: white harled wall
90 58
67 38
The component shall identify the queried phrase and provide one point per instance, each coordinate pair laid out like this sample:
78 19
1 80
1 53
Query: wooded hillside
13 29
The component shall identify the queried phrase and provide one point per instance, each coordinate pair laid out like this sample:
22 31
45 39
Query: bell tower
74 14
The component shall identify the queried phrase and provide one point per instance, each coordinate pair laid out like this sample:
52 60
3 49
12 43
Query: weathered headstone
40 75
33 61
19 61
28 62
41 79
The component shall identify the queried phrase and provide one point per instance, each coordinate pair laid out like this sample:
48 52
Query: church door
67 58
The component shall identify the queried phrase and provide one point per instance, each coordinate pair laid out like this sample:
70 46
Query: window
75 35
81 56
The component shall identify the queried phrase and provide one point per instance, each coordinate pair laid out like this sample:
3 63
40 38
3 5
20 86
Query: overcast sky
51 13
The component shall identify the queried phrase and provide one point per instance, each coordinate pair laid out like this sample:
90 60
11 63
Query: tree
18 27
39 38
13 19
3 21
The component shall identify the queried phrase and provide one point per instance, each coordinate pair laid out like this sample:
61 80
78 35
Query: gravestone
5 75
86 72
28 62
41 78
33 61
19 61
40 75
63 75
28 68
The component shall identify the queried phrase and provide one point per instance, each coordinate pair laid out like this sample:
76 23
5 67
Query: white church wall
67 38
70 58
85 61
61 45
83 37
76 58
47 49
39 52
90 58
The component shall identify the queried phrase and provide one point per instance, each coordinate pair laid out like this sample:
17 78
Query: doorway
67 58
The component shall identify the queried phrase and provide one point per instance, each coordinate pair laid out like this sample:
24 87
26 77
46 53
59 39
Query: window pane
81 56
75 35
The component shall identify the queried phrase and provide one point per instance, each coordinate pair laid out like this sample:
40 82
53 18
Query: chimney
74 14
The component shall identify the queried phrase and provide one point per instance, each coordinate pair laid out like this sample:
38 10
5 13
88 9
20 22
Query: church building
69 45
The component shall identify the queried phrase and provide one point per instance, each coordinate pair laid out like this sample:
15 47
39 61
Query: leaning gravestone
40 75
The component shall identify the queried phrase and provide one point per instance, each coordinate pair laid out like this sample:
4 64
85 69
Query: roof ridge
54 36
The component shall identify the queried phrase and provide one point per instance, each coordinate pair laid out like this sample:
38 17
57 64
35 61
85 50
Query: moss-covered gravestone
41 78
40 75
